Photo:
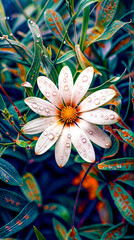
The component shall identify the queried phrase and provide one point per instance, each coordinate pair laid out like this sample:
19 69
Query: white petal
50 91
81 85
97 99
38 125
48 138
66 84
101 116
82 144
41 106
95 134
63 147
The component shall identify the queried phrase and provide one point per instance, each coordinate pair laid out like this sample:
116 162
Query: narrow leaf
38 234
66 56
116 232
123 201
9 174
73 234
127 136
84 26
120 164
28 214
31 189
12 200
59 229
94 231
110 152
4 27
83 4
127 178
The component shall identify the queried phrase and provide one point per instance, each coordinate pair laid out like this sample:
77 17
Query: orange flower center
68 114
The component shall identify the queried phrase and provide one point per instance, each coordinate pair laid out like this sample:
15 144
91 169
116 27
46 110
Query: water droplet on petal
66 87
83 140
39 111
106 117
54 93
89 99
84 78
107 144
61 158
103 97
34 105
64 79
85 155
97 101
45 133
80 87
91 114
112 117
47 94
90 132
51 136
50 85
41 108
67 145
101 115
66 74
69 135
47 110
118 166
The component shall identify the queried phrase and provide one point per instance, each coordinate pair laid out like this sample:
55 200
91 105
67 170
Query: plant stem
77 196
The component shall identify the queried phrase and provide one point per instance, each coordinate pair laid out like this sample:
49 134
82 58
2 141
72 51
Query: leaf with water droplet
59 229
119 164
115 232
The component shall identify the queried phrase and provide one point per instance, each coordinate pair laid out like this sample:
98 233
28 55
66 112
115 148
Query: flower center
68 114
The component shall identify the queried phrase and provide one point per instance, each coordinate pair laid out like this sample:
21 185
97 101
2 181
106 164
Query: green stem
7 144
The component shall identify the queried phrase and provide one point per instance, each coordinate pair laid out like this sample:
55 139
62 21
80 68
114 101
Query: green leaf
127 178
120 164
2 103
111 30
59 229
35 67
99 189
2 150
84 26
123 201
106 12
58 210
116 232
110 152
49 68
9 174
28 214
4 27
38 234
127 136
31 189
66 56
12 200
22 143
83 4
94 231
73 234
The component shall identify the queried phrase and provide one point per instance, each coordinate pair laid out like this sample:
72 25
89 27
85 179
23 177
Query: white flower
65 120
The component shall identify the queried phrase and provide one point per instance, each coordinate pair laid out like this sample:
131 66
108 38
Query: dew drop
80 87
90 132
47 110
106 117
39 111
69 135
85 155
101 115
83 140
51 136
41 108
64 80
37 40
97 101
47 94
103 98
118 166
91 114
107 144
57 134
89 99
50 85
66 87
84 78
66 74
66 154
61 158
67 145
54 93
112 117
34 105
45 133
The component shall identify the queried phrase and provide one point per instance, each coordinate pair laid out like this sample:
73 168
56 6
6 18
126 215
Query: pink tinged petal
101 116
63 147
95 134
48 138
82 144
66 84
81 85
41 106
38 125
97 99
50 91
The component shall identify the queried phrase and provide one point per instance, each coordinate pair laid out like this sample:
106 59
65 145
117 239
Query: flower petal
48 138
101 116
38 125
95 134
66 84
63 147
41 106
50 91
82 144
81 85
97 99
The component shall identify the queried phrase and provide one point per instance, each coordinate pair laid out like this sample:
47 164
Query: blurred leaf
28 214
99 189
66 56
35 67
4 27
73 234
12 200
59 229
116 232
127 136
38 234
119 164
127 178
123 201
2 103
9 174
31 189
58 210
2 150
105 12
22 143
111 30
94 231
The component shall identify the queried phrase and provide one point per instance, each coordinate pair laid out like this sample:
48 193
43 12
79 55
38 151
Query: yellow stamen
68 114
